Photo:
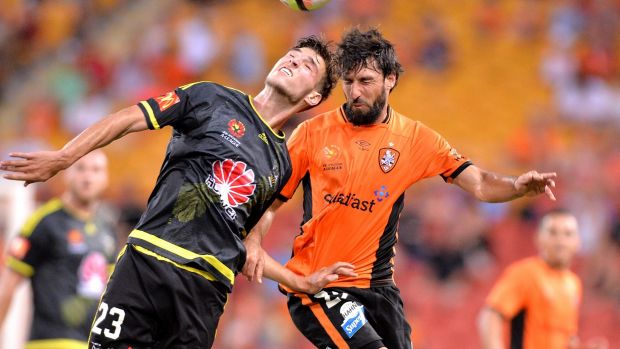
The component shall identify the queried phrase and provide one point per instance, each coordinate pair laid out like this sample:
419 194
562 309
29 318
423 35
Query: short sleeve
30 249
298 151
441 158
171 108
509 295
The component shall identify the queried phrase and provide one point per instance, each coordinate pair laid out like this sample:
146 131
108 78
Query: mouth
286 71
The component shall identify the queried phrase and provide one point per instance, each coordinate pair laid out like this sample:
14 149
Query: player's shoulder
529 266
407 126
45 214
324 120
209 89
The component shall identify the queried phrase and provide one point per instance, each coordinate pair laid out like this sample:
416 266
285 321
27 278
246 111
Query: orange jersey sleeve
438 157
297 146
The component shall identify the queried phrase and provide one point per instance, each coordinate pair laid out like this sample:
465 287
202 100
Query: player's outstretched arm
491 187
310 284
9 280
41 166
490 327
255 259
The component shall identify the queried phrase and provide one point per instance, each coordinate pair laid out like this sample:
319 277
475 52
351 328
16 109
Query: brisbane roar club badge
388 157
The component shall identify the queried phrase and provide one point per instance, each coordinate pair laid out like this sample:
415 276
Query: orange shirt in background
544 300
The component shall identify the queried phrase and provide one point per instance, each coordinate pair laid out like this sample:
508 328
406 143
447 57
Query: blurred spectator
435 51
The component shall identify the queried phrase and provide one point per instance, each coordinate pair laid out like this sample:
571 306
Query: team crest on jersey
388 157
236 128
167 100
233 182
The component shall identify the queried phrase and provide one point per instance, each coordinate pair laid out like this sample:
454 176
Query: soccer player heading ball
224 165
355 163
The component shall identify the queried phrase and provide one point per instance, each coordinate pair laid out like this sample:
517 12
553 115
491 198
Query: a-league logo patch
388 157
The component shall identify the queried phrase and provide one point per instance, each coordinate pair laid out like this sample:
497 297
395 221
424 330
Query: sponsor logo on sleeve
167 100
354 318
233 182
455 154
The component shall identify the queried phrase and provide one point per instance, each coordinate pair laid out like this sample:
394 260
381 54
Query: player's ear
313 99
390 81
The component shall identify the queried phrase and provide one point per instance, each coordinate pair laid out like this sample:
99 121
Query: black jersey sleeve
186 108
31 249
168 109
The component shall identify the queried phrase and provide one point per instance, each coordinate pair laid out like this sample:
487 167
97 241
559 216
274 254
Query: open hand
315 282
533 183
33 167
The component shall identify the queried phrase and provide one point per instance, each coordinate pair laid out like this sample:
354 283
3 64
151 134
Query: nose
356 91
294 62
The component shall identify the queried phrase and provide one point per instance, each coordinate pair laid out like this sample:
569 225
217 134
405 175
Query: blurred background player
65 249
355 163
539 296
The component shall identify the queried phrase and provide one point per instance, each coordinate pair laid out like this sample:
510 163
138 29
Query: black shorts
151 303
352 318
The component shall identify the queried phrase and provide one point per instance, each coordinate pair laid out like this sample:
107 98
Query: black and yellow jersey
223 168
67 260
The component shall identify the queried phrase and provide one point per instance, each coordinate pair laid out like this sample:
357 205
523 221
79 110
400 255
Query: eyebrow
316 64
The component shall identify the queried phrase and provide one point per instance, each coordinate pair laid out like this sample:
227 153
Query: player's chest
351 159
75 240
556 301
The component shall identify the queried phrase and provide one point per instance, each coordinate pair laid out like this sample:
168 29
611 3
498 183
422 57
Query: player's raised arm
255 255
42 165
491 187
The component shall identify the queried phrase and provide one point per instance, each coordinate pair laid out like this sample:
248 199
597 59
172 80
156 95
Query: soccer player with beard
224 165
355 164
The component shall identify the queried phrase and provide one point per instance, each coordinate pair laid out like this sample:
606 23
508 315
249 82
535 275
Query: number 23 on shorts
116 324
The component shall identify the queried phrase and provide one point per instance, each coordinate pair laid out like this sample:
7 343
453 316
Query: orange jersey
546 300
354 179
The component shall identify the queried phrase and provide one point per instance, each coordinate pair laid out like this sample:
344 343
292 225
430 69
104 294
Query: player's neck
274 108
80 209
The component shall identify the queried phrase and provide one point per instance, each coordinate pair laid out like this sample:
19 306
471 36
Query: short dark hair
359 50
554 212
323 48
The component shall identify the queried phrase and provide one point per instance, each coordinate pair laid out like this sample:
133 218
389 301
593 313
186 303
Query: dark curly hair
323 48
360 49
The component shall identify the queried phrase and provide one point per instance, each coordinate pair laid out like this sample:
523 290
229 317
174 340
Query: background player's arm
9 280
40 166
255 255
491 187
310 284
490 329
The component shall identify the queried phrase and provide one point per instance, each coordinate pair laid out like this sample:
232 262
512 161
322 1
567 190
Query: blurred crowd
64 64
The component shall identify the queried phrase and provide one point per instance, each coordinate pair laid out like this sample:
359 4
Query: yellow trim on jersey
185 87
184 253
19 267
56 344
149 111
263 120
43 211
202 273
